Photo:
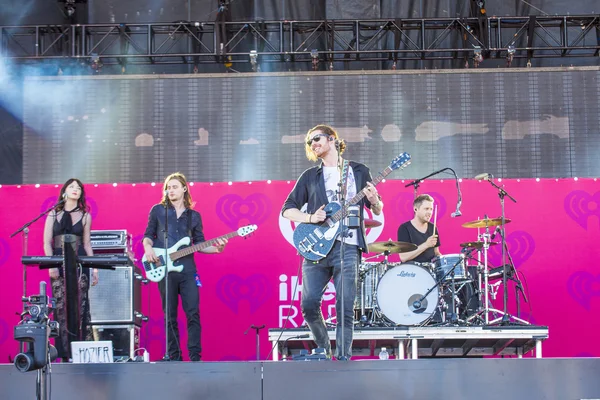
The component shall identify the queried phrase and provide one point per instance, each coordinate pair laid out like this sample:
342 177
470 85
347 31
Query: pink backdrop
553 239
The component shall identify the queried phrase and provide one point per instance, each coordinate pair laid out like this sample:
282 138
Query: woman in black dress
71 217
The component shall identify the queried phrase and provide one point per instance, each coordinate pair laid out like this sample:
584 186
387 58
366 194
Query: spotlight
510 55
70 6
314 54
253 59
95 62
477 56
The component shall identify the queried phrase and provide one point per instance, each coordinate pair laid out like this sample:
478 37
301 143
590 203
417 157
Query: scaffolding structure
187 42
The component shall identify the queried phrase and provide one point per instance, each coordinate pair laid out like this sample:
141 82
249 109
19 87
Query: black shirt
408 233
178 229
310 188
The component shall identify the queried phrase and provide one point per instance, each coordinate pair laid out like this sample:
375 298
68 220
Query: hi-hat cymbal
483 223
391 247
475 245
371 223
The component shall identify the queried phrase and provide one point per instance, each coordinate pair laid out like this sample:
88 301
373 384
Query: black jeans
183 284
315 277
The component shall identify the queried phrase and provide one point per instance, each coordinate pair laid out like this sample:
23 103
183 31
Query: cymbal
371 223
391 247
475 245
482 223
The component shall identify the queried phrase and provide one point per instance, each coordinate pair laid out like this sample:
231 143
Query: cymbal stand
505 319
486 239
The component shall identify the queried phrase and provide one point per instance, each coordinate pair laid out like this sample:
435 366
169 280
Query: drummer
419 231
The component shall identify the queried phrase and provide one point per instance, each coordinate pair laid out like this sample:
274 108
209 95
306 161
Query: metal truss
184 42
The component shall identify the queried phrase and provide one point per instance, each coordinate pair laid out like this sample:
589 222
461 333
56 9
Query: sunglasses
315 138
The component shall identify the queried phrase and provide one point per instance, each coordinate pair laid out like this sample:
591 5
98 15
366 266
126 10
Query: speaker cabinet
125 339
116 299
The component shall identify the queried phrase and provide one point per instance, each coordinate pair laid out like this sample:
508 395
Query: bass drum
399 291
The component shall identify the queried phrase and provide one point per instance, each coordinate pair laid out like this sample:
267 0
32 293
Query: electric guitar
155 272
315 241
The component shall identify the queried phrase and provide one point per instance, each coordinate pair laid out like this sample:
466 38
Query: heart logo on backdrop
236 211
521 247
232 289
403 203
4 251
580 205
582 286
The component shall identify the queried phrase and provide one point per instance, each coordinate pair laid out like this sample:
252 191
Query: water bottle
383 354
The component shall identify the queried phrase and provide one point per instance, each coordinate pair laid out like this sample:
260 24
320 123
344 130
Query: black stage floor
445 378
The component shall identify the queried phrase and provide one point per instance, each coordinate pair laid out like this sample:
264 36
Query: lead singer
318 186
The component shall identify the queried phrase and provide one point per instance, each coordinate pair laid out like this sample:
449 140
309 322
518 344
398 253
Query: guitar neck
359 196
200 246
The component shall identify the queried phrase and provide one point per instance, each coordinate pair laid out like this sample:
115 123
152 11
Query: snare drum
399 290
443 264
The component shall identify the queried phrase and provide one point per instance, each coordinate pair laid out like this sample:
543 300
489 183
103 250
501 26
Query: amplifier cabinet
125 339
116 299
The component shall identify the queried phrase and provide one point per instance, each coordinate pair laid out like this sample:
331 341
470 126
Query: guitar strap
345 170
189 223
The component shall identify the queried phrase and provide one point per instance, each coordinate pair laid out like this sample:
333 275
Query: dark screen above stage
511 123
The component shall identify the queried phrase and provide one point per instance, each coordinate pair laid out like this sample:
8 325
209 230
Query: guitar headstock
401 161
246 230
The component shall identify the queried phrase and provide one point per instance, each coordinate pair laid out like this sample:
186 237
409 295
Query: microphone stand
167 356
417 182
418 303
342 199
25 230
518 284
257 329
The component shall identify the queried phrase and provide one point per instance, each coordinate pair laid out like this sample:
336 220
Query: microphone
64 197
484 177
496 231
457 213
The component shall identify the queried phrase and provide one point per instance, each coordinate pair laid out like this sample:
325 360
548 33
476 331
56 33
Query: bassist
316 187
182 221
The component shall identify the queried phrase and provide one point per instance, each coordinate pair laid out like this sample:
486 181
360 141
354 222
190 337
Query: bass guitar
155 272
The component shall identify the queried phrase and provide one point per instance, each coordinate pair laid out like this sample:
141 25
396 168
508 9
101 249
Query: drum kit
452 289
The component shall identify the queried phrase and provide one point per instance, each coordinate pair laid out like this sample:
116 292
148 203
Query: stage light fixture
253 60
477 56
314 54
510 55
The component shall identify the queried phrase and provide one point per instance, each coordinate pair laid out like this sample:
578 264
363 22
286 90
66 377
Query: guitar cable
287 318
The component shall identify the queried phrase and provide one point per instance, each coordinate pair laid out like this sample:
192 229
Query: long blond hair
187 197
329 131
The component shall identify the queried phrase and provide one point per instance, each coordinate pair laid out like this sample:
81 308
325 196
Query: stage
426 341
432 378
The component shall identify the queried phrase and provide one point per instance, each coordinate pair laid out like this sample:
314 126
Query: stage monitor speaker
116 299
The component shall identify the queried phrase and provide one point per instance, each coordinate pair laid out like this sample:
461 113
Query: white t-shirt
332 179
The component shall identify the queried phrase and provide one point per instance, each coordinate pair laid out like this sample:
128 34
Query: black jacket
310 188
